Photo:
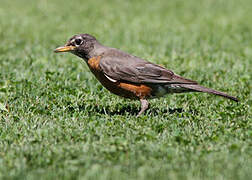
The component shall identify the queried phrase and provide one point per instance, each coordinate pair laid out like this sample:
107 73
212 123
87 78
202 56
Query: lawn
58 122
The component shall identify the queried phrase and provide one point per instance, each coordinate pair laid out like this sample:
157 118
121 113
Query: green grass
58 122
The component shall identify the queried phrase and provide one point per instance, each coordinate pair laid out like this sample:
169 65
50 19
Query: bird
129 76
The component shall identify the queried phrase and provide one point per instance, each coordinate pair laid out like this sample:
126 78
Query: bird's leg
144 106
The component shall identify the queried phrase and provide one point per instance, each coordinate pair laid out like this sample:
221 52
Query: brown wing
124 67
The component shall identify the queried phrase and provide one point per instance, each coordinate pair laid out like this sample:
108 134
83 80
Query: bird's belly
159 91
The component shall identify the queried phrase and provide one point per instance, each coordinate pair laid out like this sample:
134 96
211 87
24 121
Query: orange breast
139 90
127 90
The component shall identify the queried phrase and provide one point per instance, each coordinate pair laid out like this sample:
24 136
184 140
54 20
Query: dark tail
199 88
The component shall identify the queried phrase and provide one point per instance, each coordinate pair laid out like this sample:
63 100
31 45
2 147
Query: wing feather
124 67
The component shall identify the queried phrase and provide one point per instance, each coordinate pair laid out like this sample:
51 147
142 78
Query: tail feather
199 88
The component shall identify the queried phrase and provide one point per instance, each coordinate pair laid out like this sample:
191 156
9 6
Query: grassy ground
58 122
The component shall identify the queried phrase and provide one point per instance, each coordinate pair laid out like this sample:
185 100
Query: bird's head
80 45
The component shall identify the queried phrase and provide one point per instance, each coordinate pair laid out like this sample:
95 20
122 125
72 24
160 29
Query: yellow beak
64 49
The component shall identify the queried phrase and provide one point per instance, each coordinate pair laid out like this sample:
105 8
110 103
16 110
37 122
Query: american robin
129 76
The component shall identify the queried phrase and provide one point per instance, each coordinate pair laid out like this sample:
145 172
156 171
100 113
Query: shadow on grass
128 109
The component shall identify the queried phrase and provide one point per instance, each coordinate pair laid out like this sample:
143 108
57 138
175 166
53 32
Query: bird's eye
78 42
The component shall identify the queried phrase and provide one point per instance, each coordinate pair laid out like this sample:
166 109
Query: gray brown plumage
130 76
